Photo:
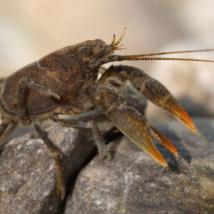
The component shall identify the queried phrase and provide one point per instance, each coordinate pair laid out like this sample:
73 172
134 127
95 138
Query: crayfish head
94 53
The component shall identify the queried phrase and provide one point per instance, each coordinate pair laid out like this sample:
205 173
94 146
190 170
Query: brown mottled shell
54 72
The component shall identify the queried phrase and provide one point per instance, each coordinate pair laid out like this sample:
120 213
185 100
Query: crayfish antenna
152 56
175 52
140 58
117 44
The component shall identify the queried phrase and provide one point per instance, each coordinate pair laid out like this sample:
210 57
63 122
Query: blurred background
30 29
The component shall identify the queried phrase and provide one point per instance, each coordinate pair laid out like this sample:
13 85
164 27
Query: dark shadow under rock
132 183
27 171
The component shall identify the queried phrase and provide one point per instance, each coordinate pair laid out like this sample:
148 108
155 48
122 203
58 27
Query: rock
27 173
132 183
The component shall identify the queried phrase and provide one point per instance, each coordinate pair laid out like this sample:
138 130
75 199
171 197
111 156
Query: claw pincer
110 96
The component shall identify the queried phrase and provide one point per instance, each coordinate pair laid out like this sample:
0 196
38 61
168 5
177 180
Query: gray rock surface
27 172
132 183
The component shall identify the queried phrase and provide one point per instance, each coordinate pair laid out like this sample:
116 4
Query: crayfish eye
85 51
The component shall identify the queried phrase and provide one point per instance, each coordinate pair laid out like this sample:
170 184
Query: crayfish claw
161 96
180 113
163 140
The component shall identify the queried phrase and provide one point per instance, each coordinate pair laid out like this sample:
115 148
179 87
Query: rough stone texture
132 183
27 173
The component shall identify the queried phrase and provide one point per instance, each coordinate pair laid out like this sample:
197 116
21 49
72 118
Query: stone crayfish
69 82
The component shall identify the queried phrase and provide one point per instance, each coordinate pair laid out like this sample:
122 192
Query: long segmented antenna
143 58
116 45
176 52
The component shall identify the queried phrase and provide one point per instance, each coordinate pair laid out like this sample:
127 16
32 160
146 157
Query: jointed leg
81 120
103 151
87 120
73 124
95 114
57 157
22 97
5 130
3 127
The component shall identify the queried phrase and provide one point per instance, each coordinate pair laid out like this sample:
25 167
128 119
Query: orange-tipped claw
148 147
179 112
127 119
166 142
161 96
133 125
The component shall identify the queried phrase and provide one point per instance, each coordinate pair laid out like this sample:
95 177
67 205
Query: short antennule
117 44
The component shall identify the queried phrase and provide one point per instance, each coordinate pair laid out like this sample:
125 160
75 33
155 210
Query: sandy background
30 29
